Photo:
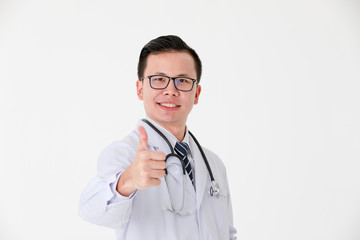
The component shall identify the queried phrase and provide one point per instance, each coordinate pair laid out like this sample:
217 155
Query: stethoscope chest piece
214 189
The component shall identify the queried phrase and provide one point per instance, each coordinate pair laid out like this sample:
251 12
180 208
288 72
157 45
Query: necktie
182 148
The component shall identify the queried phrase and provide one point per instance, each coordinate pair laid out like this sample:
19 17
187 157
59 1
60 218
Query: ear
197 94
139 89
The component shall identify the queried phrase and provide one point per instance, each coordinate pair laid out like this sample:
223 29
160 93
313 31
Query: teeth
167 104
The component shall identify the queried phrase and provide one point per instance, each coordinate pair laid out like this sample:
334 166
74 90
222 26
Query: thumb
143 139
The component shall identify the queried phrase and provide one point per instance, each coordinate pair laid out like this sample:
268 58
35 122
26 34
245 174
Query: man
136 191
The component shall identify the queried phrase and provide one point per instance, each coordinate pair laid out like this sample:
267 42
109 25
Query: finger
143 139
154 182
157 173
157 155
155 164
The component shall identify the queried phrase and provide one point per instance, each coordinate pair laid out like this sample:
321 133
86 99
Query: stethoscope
214 189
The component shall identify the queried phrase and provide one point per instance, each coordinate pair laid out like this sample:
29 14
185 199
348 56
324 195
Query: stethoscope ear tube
214 189
204 157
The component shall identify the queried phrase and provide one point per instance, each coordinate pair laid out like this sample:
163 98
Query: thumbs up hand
146 169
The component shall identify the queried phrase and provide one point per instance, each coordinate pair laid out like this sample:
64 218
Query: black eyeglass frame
171 78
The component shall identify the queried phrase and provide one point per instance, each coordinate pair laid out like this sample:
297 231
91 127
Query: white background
280 105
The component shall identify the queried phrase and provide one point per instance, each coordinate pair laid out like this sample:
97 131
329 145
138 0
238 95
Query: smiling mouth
170 105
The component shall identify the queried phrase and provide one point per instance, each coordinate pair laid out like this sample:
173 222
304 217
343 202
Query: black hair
166 44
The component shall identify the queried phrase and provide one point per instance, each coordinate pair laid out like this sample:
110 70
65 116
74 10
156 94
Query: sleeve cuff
116 196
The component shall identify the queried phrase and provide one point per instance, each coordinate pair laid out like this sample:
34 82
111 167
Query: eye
183 80
158 78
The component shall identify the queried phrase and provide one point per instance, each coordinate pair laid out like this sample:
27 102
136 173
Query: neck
179 133
178 130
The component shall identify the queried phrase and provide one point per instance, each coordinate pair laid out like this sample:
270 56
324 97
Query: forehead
171 63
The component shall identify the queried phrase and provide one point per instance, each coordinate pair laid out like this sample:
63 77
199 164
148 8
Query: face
169 107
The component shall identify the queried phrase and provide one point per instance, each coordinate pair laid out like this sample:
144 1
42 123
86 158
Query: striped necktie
182 148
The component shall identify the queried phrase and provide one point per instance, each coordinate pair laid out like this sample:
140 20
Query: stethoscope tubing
214 189
204 157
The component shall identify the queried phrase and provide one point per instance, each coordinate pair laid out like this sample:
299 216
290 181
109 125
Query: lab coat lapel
201 174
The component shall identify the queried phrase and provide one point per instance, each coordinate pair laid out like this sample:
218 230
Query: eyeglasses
160 82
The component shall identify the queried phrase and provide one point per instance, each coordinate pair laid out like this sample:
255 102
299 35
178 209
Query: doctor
132 192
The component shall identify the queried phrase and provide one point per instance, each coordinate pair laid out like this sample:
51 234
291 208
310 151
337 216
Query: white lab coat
143 215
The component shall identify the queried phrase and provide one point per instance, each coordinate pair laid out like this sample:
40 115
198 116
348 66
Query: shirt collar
172 139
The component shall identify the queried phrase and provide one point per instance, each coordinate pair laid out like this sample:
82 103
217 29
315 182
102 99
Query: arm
99 202
123 168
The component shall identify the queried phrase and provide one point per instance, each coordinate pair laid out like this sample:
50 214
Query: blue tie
182 148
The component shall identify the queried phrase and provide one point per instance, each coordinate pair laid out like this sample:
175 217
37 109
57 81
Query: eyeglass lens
181 83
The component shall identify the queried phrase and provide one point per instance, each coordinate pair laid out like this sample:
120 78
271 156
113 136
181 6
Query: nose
171 89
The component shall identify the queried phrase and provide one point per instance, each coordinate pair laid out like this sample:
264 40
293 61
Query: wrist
124 186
